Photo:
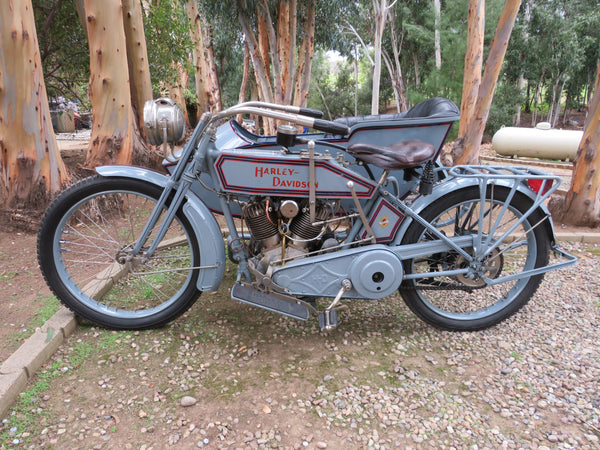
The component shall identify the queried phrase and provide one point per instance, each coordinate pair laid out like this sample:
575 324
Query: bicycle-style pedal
328 319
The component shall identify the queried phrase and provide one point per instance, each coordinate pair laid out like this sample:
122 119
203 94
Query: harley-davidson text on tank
270 173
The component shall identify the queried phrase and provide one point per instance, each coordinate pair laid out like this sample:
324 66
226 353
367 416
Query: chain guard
441 287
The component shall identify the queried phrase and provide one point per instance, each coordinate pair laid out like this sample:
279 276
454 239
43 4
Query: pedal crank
328 317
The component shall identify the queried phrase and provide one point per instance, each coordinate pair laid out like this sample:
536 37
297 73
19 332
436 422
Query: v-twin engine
282 229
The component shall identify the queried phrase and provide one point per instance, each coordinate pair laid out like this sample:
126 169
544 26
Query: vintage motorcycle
359 209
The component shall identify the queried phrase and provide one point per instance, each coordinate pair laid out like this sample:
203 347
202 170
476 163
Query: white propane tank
539 142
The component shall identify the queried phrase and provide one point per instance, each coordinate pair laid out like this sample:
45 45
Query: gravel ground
229 376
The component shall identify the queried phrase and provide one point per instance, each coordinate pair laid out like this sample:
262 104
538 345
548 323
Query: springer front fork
179 184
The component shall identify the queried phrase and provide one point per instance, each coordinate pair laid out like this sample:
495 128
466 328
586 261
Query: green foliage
554 42
229 56
414 25
48 306
335 85
27 414
63 48
507 99
81 353
168 40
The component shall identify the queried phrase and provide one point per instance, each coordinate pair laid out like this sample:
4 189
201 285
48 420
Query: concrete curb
29 357
586 238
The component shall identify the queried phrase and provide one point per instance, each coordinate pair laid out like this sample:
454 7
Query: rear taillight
539 185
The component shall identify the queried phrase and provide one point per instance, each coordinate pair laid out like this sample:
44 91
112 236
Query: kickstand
328 318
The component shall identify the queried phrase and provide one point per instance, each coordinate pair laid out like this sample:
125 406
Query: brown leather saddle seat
400 155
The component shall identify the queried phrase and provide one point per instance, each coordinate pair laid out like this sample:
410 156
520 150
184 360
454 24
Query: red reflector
537 184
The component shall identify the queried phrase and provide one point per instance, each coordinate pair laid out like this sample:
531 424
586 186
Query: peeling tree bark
260 68
437 7
380 11
305 56
275 54
473 63
198 58
31 168
581 205
263 39
112 129
137 57
286 47
176 91
395 71
205 86
466 150
215 87
245 76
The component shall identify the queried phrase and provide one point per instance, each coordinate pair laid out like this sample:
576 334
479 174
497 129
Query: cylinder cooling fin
302 226
261 220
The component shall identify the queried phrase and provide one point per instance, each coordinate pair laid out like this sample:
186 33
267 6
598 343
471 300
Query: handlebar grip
310 112
331 127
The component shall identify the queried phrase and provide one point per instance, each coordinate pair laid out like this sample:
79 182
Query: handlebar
330 127
317 114
305 117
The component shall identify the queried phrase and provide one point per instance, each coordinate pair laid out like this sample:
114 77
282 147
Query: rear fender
453 184
208 233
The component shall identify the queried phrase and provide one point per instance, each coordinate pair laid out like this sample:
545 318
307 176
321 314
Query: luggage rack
500 172
540 182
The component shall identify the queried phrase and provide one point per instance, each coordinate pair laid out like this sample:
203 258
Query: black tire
83 244
460 303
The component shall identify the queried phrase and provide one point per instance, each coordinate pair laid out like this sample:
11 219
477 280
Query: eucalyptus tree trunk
137 57
380 11
281 66
581 205
31 169
112 129
261 68
245 75
198 57
437 37
263 80
286 47
466 150
305 56
521 81
215 87
79 6
176 91
473 63
208 91
395 70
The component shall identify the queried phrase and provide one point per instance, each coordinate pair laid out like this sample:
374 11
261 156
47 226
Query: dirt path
23 293
381 379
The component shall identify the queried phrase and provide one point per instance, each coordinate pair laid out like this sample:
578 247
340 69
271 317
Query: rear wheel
466 302
84 251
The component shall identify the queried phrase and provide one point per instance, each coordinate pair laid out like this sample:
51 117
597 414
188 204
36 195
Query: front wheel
84 251
465 302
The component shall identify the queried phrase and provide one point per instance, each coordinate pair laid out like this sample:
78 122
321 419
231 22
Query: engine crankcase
375 272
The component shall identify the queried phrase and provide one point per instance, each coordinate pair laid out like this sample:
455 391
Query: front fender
208 233
453 184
